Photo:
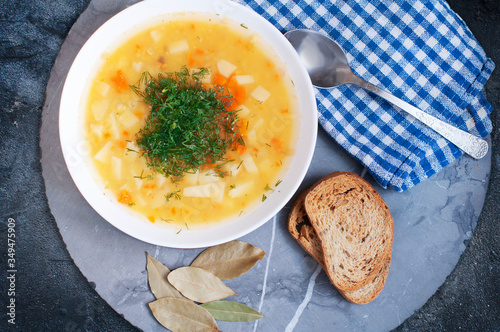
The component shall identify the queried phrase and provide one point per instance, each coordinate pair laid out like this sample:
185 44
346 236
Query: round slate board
433 222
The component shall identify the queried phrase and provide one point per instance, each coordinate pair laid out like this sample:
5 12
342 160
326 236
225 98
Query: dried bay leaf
157 278
199 285
229 260
230 311
182 315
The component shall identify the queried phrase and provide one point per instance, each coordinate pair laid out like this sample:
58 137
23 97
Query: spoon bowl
328 67
323 58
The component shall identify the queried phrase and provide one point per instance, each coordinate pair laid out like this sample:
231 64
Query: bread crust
354 226
301 229
371 290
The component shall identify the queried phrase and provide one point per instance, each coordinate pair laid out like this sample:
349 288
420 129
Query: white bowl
71 114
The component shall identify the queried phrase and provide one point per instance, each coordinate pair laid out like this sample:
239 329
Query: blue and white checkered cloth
420 51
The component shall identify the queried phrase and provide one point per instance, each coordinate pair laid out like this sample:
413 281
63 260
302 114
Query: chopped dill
243 25
140 176
267 188
232 186
189 126
149 177
278 183
174 194
264 197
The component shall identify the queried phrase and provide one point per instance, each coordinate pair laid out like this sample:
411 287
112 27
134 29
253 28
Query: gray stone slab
433 222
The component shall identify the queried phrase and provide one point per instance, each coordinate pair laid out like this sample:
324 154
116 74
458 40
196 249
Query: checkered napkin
421 52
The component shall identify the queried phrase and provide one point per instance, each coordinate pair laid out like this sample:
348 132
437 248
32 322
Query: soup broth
266 106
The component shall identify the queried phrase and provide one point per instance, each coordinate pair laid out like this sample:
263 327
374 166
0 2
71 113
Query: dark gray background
52 294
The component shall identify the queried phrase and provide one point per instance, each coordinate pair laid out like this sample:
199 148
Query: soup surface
261 98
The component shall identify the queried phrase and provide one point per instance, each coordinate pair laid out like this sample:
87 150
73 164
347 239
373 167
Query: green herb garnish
189 126
140 176
174 194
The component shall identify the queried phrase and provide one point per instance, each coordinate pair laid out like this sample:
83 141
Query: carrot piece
124 197
198 51
276 142
230 107
240 94
219 79
107 135
190 59
242 148
242 125
119 81
232 83
122 144
151 218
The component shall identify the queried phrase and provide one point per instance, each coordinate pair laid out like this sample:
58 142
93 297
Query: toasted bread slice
354 226
301 229
371 290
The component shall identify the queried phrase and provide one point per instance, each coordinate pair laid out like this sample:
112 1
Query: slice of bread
301 229
371 290
354 226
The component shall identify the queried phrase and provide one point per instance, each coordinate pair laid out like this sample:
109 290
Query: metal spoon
328 67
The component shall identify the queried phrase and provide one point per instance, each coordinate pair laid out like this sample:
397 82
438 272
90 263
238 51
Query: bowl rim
76 154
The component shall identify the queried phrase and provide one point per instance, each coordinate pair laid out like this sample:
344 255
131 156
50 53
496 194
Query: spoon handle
472 145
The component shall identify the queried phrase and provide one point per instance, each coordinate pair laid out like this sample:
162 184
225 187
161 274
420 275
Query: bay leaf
182 315
157 278
199 285
230 311
229 260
